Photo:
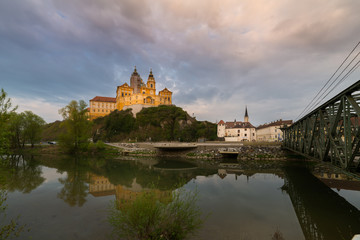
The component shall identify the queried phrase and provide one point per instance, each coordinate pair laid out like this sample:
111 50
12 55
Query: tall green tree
25 127
6 109
33 127
78 127
17 126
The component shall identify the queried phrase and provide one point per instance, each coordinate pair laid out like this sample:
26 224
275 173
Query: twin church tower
136 96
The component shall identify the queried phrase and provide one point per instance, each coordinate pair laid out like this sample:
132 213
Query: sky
217 57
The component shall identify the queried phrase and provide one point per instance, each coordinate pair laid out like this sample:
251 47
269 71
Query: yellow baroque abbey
136 96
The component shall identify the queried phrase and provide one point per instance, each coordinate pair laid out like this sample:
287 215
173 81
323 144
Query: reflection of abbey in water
100 186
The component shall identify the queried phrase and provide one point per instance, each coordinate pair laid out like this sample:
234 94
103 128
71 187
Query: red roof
276 123
238 125
221 122
103 99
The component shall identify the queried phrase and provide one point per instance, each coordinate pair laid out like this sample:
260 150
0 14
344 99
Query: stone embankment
205 151
136 149
244 152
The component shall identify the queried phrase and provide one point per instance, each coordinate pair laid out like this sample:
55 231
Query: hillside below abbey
136 96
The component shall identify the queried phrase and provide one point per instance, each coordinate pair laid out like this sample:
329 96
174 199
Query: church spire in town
246 117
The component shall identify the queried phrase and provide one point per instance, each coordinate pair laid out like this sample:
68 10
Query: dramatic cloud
216 56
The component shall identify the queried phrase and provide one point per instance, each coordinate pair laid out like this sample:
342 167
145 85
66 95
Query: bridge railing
331 132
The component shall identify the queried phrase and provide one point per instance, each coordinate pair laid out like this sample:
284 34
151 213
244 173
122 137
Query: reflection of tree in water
74 191
21 173
124 173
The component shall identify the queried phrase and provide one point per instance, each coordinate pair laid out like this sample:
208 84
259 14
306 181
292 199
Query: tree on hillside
166 116
162 123
77 125
119 122
5 111
206 130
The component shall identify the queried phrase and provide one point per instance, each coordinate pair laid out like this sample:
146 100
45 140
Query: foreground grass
174 216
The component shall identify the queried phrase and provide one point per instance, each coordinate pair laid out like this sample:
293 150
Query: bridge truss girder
331 132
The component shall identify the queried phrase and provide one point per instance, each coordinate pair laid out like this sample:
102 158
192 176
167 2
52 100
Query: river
68 198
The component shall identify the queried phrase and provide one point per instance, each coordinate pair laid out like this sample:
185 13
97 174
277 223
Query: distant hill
51 131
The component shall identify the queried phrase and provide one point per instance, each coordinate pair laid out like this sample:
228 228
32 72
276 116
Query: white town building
271 132
237 131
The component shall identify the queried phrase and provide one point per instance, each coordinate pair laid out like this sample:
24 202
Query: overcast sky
215 56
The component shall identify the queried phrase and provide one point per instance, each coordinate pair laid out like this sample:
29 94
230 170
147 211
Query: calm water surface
68 198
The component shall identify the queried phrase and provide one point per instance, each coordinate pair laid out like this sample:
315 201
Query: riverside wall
257 151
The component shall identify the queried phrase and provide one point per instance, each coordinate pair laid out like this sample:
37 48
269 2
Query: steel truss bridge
331 132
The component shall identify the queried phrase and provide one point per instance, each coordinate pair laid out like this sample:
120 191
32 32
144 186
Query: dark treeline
163 123
75 132
17 129
24 128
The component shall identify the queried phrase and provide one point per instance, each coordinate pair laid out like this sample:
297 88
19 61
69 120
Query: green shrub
174 217
100 146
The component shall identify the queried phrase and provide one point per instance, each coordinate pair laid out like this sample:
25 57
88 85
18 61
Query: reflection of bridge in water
321 212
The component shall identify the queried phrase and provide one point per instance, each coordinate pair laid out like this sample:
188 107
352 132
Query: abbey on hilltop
136 96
